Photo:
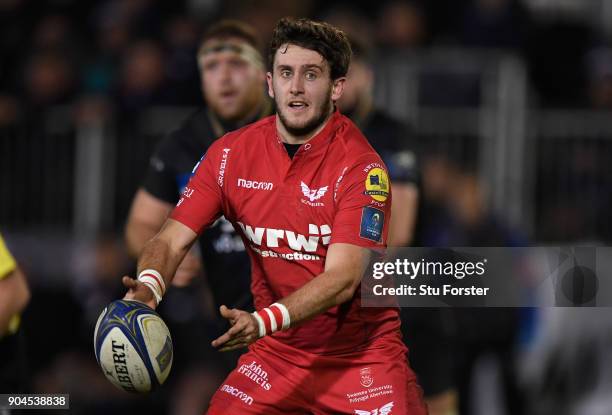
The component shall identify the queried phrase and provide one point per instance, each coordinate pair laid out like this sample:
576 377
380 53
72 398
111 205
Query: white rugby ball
133 346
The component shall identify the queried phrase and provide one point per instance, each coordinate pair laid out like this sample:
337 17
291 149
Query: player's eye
210 66
285 73
310 76
238 63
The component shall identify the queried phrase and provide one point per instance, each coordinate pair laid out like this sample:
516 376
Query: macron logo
252 184
237 393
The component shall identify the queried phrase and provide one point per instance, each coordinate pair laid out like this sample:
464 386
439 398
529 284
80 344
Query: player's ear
338 88
269 81
261 75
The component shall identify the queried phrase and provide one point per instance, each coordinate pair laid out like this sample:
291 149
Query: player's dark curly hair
327 40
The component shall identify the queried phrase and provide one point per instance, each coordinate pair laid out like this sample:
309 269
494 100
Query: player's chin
228 109
297 121
227 113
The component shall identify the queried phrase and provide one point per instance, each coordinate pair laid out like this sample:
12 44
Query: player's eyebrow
313 66
306 66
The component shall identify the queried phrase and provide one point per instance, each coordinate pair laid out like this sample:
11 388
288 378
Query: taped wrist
272 319
154 281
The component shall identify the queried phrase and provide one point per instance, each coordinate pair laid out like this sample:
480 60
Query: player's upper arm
201 202
349 261
148 209
363 204
146 217
403 214
177 236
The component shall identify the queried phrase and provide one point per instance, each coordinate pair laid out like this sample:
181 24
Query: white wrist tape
154 281
260 323
286 322
273 318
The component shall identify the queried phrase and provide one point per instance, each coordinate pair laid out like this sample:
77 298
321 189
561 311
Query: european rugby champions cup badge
366 377
372 219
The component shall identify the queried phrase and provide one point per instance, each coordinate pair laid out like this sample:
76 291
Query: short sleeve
401 156
201 201
397 144
363 205
160 180
7 262
403 166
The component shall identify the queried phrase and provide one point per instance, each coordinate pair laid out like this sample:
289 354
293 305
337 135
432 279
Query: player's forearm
329 289
344 268
160 255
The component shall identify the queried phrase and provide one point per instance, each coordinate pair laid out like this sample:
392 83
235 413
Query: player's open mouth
228 94
297 105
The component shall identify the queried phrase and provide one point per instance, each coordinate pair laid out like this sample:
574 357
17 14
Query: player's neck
289 138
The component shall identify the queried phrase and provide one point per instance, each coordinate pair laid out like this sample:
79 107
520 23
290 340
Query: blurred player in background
392 139
312 200
425 331
232 75
14 297
232 81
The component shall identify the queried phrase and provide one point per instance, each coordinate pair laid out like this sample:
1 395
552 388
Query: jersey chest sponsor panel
285 231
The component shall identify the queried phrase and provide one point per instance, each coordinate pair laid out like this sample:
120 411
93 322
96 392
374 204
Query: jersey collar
320 140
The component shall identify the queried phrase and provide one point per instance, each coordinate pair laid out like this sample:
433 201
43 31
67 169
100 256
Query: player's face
302 89
232 85
358 86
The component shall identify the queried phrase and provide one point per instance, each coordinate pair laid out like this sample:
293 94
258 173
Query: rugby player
14 297
232 77
311 200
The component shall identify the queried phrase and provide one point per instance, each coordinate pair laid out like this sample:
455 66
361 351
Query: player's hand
139 292
190 268
243 332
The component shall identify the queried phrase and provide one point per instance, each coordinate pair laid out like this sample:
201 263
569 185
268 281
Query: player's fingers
225 337
244 337
234 338
238 343
234 342
227 313
129 283
237 329
235 347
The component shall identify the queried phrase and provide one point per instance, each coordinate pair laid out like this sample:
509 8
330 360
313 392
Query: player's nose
225 73
297 85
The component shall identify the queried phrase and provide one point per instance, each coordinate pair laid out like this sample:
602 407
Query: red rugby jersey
288 212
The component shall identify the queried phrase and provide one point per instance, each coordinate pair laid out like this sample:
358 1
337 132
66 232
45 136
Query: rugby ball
133 346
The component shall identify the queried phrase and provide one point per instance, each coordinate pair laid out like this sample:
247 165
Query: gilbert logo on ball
133 346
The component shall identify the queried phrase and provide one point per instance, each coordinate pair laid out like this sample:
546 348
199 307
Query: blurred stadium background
510 100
